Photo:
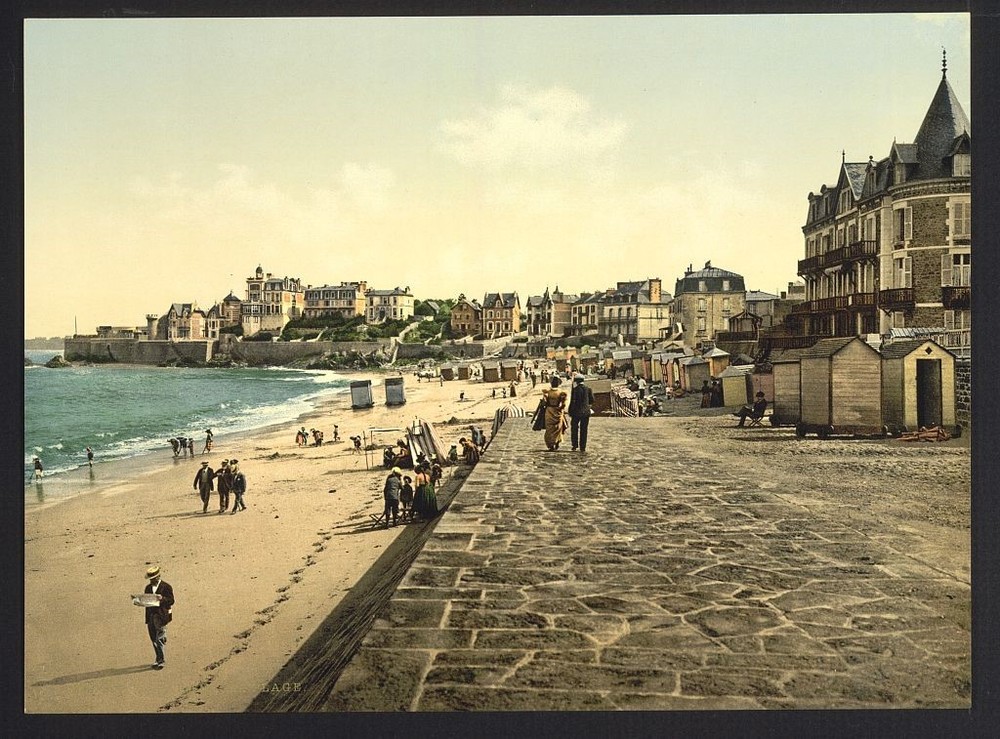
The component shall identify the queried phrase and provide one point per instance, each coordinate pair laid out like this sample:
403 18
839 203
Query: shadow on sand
94 675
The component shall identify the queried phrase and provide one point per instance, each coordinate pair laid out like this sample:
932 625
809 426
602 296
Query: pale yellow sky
166 159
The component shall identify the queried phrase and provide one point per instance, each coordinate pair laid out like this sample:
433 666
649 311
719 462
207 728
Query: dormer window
845 201
961 165
899 176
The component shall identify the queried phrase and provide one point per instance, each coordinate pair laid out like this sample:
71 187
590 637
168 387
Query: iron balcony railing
956 298
897 296
862 300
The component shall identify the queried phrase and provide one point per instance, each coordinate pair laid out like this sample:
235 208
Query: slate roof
855 172
944 121
394 291
906 153
509 300
898 349
534 300
757 296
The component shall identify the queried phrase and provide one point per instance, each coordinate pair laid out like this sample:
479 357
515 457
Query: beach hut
589 363
655 367
491 372
785 387
361 394
918 385
464 372
840 388
694 371
736 387
508 370
394 392
448 372
718 360
602 396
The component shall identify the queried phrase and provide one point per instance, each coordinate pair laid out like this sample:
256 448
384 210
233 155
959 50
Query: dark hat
233 461
204 464
760 394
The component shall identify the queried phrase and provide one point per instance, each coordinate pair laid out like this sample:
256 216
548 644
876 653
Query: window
852 233
903 224
701 324
961 216
961 165
902 275
725 286
725 305
957 320
898 319
869 229
701 286
956 270
701 305
840 237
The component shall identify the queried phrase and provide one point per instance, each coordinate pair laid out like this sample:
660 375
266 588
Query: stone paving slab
626 579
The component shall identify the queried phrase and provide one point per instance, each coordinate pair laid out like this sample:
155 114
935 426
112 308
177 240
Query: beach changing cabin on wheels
394 393
463 371
840 388
361 394
918 385
735 380
448 372
491 372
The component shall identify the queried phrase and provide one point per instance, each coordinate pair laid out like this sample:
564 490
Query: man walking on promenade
239 485
391 491
203 484
224 485
581 398
158 616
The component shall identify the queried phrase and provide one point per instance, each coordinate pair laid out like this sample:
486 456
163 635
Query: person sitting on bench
755 412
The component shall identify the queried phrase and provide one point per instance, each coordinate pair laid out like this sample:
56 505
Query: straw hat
152 572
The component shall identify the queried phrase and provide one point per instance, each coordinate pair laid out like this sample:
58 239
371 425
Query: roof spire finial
944 62
843 156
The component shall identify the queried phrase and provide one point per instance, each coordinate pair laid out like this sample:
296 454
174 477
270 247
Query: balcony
956 298
862 300
812 264
838 302
899 297
806 306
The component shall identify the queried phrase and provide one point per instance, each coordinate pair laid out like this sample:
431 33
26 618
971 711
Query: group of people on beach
184 445
302 438
229 478
417 495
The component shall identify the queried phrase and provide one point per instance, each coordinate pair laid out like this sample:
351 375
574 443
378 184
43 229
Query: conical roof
944 122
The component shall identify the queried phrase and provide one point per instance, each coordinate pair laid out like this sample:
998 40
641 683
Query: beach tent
624 402
375 441
918 385
502 414
423 439
361 394
394 393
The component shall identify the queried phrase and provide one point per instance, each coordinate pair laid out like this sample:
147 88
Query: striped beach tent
502 414
624 402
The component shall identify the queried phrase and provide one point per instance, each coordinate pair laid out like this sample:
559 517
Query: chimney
654 290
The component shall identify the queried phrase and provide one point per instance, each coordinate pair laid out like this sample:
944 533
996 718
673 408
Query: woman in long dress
424 498
555 418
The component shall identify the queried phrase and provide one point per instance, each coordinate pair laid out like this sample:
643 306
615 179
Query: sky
165 159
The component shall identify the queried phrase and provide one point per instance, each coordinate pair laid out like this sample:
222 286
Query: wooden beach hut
736 387
718 360
840 388
655 367
491 371
918 385
464 371
602 396
361 394
785 370
508 370
588 363
448 372
394 391
694 371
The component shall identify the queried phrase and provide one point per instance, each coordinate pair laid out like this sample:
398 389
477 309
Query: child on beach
406 496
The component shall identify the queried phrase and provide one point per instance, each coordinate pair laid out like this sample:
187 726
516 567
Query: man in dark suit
157 617
580 400
203 484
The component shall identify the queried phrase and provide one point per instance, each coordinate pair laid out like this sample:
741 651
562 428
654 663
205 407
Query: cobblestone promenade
648 574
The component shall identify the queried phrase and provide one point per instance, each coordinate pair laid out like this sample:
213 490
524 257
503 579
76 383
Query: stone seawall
131 351
280 352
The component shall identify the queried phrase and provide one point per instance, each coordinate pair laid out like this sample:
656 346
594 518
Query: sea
125 411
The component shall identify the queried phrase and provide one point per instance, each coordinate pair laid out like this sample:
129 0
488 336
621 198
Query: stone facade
705 300
271 302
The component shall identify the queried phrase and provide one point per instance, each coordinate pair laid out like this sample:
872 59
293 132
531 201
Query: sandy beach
248 586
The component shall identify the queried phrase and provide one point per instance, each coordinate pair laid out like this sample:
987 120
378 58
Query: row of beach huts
837 386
